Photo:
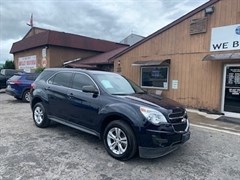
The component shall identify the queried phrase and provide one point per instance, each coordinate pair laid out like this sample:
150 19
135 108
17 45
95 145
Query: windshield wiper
119 94
140 92
125 94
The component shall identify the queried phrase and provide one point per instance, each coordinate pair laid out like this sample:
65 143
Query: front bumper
158 141
165 145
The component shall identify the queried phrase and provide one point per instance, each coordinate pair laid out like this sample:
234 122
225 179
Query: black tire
18 98
125 132
39 116
26 96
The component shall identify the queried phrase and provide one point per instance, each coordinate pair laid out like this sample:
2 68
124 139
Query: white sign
225 38
174 84
165 85
27 63
44 62
44 52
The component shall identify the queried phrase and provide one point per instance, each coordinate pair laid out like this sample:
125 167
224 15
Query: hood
154 100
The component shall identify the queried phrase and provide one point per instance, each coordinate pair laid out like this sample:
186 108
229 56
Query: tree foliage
9 65
39 69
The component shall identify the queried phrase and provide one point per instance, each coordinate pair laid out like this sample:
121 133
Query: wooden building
48 48
195 60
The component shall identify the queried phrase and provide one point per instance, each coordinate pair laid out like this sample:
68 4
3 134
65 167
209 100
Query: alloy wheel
117 141
38 115
27 96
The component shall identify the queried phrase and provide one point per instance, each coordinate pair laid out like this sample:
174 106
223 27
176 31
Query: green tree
9 65
39 69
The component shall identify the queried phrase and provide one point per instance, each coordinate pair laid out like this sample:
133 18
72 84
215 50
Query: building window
154 77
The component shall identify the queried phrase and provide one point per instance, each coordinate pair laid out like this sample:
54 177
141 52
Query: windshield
117 85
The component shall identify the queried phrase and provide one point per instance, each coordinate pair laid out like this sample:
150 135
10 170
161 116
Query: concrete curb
210 116
216 117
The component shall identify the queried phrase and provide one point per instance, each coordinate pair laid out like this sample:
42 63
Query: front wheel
40 116
119 140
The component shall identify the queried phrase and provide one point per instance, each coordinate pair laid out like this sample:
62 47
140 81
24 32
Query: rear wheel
26 96
40 116
119 140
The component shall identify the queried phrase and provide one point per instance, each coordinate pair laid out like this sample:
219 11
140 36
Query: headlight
155 117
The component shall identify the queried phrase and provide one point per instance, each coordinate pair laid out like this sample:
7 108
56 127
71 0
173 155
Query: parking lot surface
60 152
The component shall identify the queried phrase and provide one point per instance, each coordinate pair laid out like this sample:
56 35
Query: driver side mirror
90 89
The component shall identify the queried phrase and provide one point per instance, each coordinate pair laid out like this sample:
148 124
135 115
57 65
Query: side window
61 79
81 80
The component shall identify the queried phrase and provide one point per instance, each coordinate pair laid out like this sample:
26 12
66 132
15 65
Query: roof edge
70 33
31 30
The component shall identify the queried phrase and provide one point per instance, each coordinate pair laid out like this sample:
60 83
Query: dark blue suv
19 85
113 108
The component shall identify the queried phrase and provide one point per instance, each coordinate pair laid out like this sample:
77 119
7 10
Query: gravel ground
59 152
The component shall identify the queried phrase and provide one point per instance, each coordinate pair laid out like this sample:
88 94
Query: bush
9 65
39 69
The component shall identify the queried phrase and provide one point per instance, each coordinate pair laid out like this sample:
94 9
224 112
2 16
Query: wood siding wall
56 56
200 82
59 55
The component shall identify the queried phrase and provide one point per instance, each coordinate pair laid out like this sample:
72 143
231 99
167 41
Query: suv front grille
177 115
178 118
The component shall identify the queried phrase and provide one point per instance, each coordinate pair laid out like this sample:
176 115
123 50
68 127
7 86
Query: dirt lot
59 152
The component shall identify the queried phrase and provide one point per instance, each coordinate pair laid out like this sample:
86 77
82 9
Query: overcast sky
102 19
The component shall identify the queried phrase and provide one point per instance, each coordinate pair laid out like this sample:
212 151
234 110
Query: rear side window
61 79
81 80
10 73
45 75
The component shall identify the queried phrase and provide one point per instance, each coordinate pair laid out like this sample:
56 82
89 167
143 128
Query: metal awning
225 56
165 62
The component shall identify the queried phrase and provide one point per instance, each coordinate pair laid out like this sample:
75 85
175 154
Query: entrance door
231 91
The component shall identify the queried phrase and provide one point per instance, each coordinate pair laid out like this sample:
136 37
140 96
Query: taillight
33 86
